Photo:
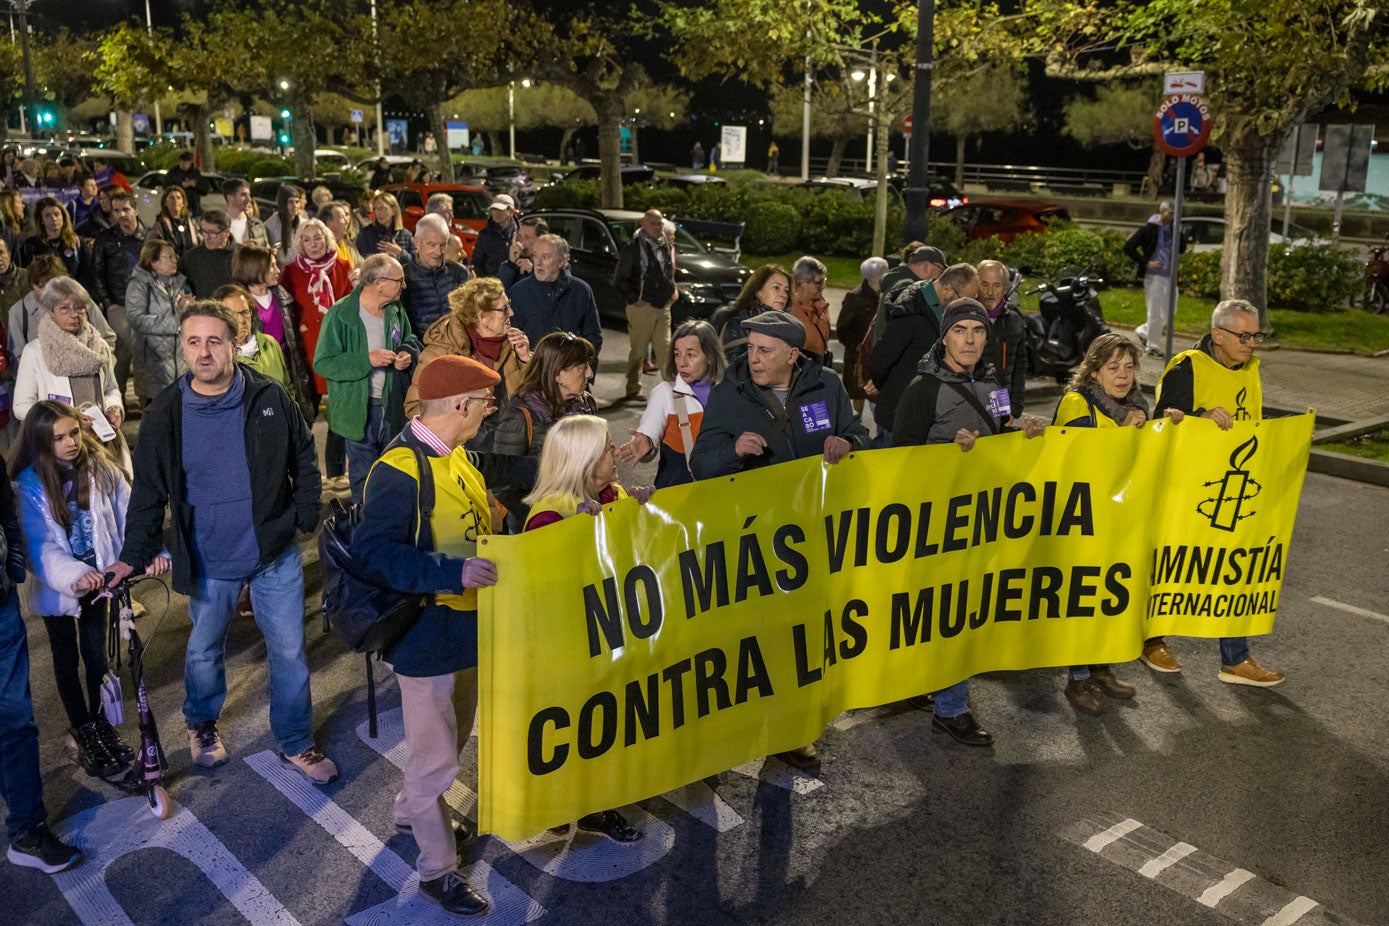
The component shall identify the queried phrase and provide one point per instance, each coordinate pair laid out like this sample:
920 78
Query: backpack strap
530 426
978 406
682 418
424 532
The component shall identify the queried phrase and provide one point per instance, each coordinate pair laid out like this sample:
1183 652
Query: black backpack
367 617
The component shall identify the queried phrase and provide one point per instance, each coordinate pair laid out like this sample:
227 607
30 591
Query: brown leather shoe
1250 672
807 759
1106 681
1083 696
1159 658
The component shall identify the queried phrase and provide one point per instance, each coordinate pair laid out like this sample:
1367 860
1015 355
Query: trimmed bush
772 228
1199 274
578 194
1313 277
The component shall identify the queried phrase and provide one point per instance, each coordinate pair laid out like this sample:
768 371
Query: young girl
73 495
578 473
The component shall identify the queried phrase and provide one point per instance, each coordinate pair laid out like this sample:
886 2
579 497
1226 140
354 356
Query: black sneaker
112 739
454 894
40 849
92 754
611 824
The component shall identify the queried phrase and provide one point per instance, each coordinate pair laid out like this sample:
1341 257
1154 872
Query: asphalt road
1196 803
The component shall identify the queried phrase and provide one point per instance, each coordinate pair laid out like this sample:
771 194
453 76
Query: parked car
1207 233
631 174
707 281
470 205
328 159
397 162
686 181
1005 219
149 188
514 181
943 193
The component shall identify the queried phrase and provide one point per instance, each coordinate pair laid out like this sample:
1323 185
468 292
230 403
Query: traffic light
44 117
284 114
284 138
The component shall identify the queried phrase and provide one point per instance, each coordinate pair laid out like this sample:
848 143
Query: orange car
470 207
1005 219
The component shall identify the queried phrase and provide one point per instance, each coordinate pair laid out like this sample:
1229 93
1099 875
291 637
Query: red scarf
319 273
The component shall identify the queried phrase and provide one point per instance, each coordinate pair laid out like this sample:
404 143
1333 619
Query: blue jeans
362 453
952 701
1233 650
21 787
277 597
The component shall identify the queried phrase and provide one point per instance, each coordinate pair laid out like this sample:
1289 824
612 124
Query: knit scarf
81 354
1118 409
320 276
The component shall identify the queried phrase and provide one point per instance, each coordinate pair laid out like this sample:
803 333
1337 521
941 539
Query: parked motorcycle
1070 318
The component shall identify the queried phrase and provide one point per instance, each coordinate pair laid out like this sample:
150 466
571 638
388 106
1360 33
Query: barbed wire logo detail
1227 508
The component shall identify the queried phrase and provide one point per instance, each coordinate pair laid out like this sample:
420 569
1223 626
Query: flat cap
781 325
451 375
928 254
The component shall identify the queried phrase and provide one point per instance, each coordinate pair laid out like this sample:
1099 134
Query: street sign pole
1176 253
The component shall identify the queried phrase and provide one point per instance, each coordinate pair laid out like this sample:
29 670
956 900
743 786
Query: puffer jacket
426 296
911 330
817 407
493 246
152 310
449 337
1008 353
115 255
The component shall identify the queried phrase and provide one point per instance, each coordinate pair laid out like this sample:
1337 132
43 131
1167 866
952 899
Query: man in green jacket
365 351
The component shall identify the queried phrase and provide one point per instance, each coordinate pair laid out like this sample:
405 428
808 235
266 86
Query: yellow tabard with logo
1216 385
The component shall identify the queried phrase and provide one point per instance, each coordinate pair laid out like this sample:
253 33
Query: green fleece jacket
341 359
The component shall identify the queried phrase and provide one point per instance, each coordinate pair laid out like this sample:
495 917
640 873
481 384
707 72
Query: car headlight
700 292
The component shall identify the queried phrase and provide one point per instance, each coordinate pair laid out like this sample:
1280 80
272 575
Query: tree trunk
960 159
564 141
199 115
610 109
438 124
125 128
836 155
1157 163
1248 209
636 151
495 148
305 140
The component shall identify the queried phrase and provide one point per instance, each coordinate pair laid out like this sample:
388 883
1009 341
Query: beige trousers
438 721
646 324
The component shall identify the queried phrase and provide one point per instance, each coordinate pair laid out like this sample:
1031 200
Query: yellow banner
630 653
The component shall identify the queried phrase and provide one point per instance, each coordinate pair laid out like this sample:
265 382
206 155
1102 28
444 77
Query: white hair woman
670 424
578 474
68 361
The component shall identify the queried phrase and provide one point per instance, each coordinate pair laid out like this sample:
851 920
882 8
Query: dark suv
707 281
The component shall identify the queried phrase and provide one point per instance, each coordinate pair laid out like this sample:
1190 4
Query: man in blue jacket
436 660
775 405
553 299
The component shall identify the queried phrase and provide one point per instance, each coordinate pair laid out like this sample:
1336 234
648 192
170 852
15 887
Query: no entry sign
1182 125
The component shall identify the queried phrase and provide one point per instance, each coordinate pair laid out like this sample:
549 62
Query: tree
540 104
594 56
654 106
1118 114
131 66
1269 65
990 98
837 112
432 50
62 68
12 77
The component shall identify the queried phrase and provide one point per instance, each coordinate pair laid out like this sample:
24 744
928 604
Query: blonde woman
578 474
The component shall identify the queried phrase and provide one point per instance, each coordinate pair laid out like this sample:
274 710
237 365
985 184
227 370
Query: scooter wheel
161 805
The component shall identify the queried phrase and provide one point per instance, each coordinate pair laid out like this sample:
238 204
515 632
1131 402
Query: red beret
452 375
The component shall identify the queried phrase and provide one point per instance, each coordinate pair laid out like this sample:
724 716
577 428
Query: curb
1348 467
1271 345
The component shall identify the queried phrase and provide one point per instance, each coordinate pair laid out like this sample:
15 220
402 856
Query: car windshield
685 243
468 205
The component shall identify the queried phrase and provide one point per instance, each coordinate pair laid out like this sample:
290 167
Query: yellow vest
461 514
566 506
1213 385
1074 405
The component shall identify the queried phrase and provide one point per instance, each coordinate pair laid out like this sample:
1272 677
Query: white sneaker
313 765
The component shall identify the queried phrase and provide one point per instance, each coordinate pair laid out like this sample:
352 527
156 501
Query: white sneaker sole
24 860
1241 680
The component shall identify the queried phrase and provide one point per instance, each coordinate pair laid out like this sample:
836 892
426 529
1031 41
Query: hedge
1309 277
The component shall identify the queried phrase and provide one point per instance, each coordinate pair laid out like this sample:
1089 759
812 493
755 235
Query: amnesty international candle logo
1227 507
1241 412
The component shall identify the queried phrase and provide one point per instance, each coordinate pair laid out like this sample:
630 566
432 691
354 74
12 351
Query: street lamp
511 110
158 119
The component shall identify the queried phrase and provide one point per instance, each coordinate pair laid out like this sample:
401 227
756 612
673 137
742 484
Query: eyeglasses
212 232
487 401
1245 336
68 309
400 280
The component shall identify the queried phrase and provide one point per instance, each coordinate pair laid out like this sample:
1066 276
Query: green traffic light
284 114
284 138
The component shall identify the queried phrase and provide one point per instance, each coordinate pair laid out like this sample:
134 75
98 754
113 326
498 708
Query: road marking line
1116 832
1155 867
1291 913
1351 609
1225 887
